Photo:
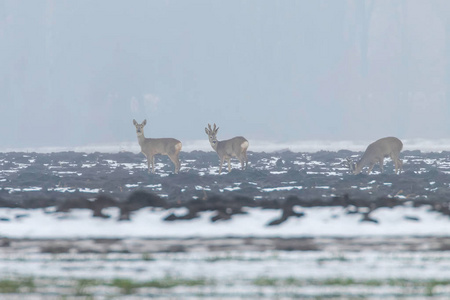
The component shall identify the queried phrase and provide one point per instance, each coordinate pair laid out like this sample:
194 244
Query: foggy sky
78 72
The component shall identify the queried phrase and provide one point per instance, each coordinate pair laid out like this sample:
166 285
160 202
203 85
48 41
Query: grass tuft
9 286
266 281
128 286
82 284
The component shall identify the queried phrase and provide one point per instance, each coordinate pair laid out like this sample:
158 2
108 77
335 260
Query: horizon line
424 145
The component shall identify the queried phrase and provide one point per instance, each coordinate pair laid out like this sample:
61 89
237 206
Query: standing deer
235 147
165 146
376 152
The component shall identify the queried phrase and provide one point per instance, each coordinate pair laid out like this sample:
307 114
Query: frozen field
43 270
268 275
95 225
403 220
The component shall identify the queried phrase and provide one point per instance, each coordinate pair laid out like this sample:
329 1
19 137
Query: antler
211 130
208 132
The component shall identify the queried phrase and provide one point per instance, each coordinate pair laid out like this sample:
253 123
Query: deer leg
370 168
149 165
153 164
396 162
244 161
241 160
176 162
229 164
221 163
239 157
381 161
400 165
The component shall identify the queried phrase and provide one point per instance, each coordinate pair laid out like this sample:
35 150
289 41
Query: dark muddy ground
273 180
195 245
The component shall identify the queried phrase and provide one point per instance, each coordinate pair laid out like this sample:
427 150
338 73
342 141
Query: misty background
78 72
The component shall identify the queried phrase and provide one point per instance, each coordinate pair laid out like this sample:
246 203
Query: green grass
128 286
86 287
266 281
431 284
428 285
17 285
82 284
339 258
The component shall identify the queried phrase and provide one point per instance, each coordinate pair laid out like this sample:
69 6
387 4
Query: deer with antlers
235 147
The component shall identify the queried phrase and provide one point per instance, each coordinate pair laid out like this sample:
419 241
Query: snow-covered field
149 223
226 275
268 275
329 252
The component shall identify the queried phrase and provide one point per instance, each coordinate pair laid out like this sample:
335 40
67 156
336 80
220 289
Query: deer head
212 134
139 127
351 165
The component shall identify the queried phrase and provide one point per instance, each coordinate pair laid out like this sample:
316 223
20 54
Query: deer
165 146
235 147
376 152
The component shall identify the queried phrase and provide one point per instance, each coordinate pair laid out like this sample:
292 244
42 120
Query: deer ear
134 122
217 129
144 122
206 130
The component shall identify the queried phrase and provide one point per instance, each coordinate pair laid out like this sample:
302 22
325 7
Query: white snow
148 223
88 190
282 188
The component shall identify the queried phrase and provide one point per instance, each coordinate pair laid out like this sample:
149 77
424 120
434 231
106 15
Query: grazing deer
376 152
165 146
235 147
